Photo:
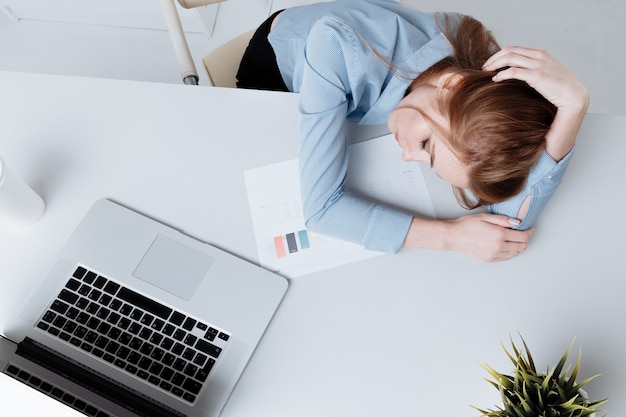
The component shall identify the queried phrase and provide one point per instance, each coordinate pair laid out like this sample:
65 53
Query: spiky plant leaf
528 393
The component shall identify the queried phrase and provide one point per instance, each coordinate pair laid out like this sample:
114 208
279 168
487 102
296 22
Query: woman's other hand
483 236
488 237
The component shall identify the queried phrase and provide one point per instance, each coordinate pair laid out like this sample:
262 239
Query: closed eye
431 150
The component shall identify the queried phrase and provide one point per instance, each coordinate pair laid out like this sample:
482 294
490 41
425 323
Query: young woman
498 124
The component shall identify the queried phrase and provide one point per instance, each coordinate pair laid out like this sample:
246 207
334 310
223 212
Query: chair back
222 63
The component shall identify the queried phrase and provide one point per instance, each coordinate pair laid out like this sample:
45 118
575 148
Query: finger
517 73
503 256
517 50
500 220
513 56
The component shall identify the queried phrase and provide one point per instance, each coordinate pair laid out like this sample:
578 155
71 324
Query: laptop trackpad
174 267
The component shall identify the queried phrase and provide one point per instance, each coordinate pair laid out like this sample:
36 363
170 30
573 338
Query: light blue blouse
328 53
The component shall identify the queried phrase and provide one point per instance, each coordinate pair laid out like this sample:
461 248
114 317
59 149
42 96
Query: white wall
586 35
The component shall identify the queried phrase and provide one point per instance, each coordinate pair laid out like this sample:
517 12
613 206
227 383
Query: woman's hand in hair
552 80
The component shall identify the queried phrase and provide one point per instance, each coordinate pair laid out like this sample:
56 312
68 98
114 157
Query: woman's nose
415 155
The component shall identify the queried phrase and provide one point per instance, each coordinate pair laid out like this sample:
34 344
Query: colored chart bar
291 243
304 239
280 247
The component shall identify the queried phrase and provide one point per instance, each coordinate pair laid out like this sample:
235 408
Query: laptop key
72 313
190 370
105 299
70 326
179 335
178 379
90 277
167 373
49 316
94 295
73 284
168 359
80 332
144 302
178 349
91 336
169 329
84 289
82 303
68 296
79 273
147 319
177 318
189 324
92 308
144 363
100 282
203 373
192 386
112 287
59 306
126 309
59 322
208 348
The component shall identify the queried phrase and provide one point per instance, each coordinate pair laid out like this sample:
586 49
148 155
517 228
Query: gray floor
587 36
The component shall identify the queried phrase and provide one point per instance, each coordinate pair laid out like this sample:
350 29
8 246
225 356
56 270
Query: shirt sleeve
328 208
543 180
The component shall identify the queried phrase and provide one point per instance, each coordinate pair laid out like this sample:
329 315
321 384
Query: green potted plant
528 393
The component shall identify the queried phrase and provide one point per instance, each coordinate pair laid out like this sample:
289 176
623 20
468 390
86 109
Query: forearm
562 135
428 234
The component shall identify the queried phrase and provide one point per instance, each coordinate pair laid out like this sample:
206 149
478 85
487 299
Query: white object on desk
19 204
20 400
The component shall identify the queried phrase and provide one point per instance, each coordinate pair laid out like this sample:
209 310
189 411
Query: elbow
314 221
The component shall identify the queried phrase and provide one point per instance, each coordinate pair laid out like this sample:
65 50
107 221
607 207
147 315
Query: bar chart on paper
291 243
285 245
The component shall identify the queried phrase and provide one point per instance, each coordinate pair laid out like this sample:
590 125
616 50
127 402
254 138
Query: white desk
393 335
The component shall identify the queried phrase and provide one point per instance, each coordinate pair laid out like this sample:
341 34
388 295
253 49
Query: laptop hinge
92 380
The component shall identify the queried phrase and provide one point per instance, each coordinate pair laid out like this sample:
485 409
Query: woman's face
421 142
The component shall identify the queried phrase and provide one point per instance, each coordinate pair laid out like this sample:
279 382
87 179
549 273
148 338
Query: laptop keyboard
153 342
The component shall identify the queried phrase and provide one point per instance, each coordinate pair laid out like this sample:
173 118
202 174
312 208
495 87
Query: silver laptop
136 318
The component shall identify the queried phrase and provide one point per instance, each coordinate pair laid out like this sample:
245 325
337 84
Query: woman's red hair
496 129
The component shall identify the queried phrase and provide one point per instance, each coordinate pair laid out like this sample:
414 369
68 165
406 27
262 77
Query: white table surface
393 335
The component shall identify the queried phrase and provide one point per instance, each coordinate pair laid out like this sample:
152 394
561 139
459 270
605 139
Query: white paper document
376 170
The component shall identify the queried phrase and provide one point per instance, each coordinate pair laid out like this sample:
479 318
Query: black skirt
258 68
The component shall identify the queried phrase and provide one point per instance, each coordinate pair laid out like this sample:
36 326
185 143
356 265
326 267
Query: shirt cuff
543 180
387 230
